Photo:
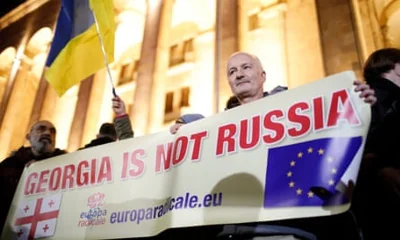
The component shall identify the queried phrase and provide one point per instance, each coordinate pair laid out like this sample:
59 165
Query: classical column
98 91
227 42
265 35
367 27
305 61
49 104
43 95
10 82
149 99
17 112
338 37
76 132
388 40
39 101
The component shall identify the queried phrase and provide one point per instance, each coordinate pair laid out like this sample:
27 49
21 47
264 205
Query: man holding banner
246 78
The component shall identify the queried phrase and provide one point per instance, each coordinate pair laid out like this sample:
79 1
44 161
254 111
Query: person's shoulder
58 151
188 118
8 162
16 157
275 90
278 89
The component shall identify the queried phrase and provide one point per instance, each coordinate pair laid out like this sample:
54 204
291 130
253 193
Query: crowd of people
375 199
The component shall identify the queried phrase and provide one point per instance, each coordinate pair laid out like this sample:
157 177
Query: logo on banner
294 169
38 218
96 215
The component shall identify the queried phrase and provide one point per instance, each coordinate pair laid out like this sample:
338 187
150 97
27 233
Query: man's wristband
122 115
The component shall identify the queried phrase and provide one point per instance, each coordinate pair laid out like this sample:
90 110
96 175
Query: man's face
245 75
42 137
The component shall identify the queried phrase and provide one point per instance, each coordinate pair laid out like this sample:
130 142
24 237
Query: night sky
8 5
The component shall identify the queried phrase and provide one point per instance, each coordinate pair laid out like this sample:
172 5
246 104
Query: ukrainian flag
76 53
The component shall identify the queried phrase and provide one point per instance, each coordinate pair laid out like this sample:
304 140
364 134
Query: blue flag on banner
292 170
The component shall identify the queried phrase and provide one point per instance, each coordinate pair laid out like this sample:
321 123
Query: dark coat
11 170
385 123
381 151
98 141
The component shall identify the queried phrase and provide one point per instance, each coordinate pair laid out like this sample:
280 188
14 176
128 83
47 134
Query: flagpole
104 54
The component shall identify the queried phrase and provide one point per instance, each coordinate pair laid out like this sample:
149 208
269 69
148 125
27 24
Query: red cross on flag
38 218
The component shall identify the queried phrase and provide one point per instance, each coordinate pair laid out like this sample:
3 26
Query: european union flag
292 170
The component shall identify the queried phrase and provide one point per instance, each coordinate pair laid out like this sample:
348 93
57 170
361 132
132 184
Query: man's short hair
380 62
108 129
256 60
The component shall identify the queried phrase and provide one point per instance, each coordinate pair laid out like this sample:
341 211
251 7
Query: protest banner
257 162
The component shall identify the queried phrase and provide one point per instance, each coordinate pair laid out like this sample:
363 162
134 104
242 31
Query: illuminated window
253 22
128 72
182 52
174 101
185 92
169 102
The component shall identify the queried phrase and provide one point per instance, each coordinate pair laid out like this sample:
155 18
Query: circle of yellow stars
300 155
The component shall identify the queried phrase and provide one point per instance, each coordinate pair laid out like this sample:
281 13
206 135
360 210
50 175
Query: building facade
170 58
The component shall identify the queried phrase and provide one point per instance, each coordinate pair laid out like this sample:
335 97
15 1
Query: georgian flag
37 218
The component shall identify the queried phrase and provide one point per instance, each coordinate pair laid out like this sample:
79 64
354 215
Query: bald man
246 77
42 138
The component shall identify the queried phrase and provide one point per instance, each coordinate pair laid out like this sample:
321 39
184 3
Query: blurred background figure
106 134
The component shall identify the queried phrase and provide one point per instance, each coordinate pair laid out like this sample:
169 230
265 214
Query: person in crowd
119 130
107 134
377 193
185 119
232 103
42 139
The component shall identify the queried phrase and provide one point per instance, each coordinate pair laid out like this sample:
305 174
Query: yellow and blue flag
294 169
76 52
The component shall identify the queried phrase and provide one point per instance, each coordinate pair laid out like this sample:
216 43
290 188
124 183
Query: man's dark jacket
11 170
385 123
98 142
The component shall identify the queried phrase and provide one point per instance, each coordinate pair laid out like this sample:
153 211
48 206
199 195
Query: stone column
49 104
17 112
368 31
149 99
203 74
98 90
76 132
305 61
338 37
227 43
10 84
265 36
39 101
